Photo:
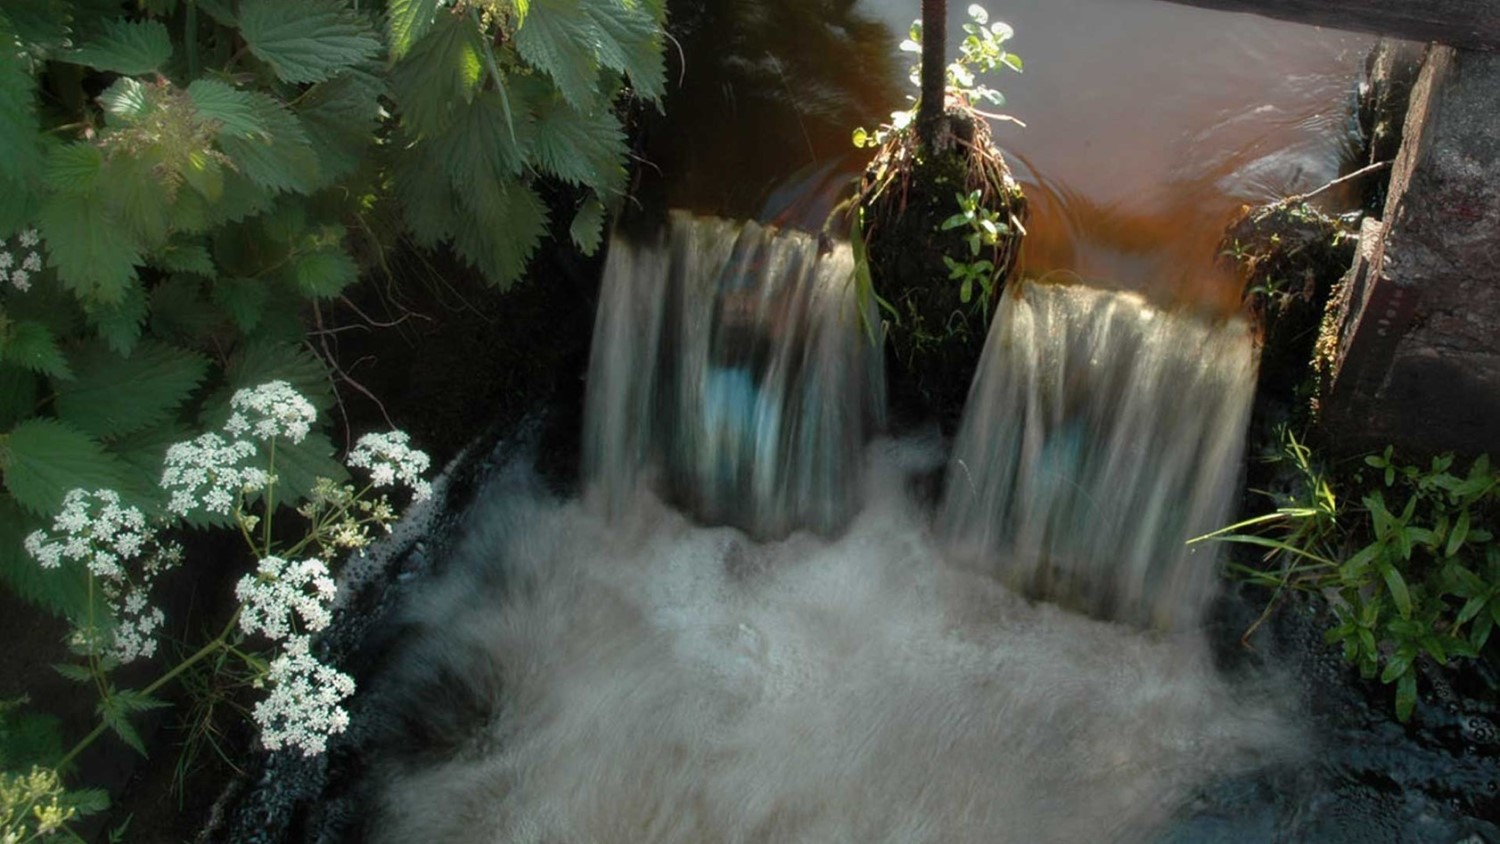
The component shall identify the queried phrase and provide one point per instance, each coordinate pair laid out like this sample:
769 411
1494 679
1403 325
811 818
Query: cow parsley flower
282 591
303 708
120 550
18 271
209 472
270 411
390 459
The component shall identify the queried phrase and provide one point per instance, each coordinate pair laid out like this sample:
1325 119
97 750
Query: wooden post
1473 24
934 69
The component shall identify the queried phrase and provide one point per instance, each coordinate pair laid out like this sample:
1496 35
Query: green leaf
187 257
73 168
438 76
30 345
481 146
429 203
18 394
408 21
136 198
1396 666
76 673
1406 696
280 160
48 458
1397 584
145 450
114 395
18 125
260 362
1012 61
115 717
587 229
1458 535
559 38
341 117
234 111
126 99
325 273
130 700
94 255
119 324
61 591
127 47
306 40
179 310
628 39
298 466
501 231
586 149
243 298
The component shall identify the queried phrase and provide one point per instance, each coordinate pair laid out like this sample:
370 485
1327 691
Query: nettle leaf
73 168
145 450
62 591
559 38
232 109
501 230
113 395
479 146
133 191
299 465
180 311
438 76
306 40
587 230
31 345
280 160
18 394
629 40
244 299
126 99
324 273
19 136
341 117
120 324
127 47
49 457
95 257
179 257
407 22
260 362
585 149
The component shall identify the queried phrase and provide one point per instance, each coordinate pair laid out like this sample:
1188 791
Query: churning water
607 669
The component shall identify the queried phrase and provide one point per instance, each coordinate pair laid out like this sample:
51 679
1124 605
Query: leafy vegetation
1412 569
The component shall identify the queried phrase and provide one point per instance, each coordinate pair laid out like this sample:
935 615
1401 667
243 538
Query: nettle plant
185 184
230 477
1412 571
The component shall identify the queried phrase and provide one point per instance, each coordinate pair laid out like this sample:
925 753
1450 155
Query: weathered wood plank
1473 24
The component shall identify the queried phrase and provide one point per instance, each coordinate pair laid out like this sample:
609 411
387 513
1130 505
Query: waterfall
730 371
1100 434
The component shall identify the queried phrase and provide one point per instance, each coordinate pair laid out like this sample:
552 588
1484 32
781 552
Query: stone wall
1416 356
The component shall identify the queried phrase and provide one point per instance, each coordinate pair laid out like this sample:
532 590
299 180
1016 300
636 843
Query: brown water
1147 124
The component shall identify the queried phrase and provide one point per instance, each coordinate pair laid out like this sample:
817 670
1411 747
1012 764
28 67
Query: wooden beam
1474 24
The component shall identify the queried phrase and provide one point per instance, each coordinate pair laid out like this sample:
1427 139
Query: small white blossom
303 708
6 259
269 411
29 238
116 545
209 472
281 589
33 263
21 280
390 459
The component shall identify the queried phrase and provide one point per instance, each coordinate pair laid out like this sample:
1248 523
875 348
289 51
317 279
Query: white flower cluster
303 708
281 589
120 550
211 471
269 411
16 267
390 459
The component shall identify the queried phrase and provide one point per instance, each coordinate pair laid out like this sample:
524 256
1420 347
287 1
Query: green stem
494 68
190 37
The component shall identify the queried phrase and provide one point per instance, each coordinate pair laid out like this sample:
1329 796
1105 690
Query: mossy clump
934 334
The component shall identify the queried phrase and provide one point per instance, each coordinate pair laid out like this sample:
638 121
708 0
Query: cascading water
616 673
729 365
1100 435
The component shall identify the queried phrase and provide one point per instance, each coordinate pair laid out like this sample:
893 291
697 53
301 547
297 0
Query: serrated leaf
179 310
585 149
306 40
126 99
341 117
429 203
244 299
128 47
324 273
559 39
132 700
119 324
187 258
481 146
407 22
587 230
19 135
48 458
94 255
61 591
232 109
282 159
299 465
76 673
31 345
115 717
136 198
501 230
259 362
73 168
145 450
438 76
113 395
628 40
